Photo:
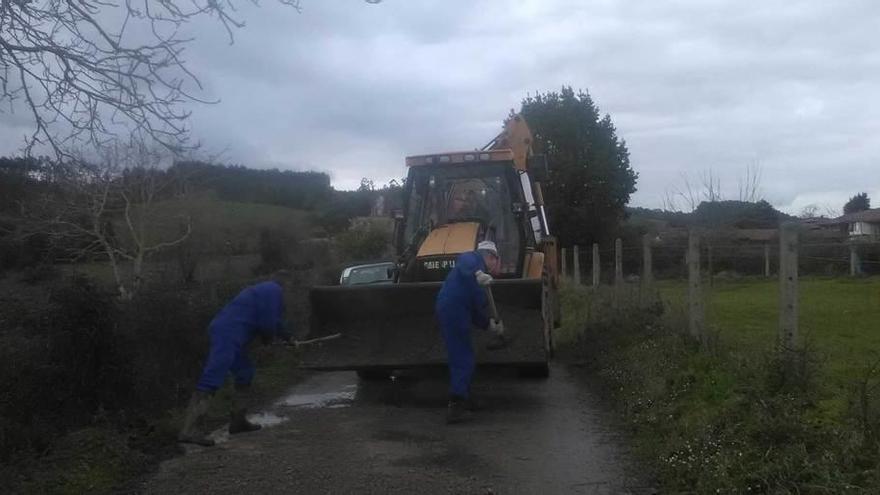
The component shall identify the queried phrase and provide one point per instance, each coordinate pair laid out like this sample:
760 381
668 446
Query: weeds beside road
93 386
730 419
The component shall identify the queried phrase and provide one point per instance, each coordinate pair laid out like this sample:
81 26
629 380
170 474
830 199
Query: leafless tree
684 194
830 211
109 210
710 186
669 200
750 183
689 193
85 69
809 211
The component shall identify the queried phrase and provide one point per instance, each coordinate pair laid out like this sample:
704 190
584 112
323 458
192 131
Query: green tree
591 179
859 202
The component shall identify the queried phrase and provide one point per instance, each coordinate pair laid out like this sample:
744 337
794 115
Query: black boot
498 341
198 406
457 411
238 422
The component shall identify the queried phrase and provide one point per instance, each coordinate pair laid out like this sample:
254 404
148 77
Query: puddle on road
266 419
220 435
334 399
303 396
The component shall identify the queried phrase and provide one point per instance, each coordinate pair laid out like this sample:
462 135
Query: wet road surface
334 434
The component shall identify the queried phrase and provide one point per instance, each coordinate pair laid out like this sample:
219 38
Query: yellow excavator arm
516 137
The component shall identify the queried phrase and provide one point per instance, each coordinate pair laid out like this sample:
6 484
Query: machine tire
370 375
534 371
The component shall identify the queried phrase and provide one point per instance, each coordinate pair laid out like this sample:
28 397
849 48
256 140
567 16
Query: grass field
216 222
839 318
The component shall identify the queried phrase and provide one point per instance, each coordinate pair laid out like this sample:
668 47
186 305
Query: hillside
715 214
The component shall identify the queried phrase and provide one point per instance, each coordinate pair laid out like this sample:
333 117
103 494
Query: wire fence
723 260
687 266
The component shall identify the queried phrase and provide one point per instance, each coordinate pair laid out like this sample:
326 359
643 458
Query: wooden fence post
766 260
576 266
788 287
596 266
647 271
696 316
564 264
854 268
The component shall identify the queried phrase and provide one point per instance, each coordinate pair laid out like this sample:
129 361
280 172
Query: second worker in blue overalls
461 304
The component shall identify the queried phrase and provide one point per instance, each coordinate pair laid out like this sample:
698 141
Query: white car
373 273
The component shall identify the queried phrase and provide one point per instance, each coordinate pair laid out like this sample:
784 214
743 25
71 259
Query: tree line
51 212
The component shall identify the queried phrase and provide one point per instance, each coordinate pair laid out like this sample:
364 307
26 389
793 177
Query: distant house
862 225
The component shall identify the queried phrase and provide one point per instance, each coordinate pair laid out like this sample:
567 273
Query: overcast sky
351 88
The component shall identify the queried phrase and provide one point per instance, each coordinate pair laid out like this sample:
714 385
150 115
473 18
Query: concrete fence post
767 260
788 287
596 266
696 316
576 265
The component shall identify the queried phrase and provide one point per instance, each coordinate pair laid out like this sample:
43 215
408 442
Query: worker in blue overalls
462 303
257 310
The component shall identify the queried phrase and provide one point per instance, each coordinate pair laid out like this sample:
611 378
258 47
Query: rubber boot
457 411
198 406
498 341
238 422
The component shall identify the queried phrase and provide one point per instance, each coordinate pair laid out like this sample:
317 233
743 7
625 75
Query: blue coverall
256 309
460 304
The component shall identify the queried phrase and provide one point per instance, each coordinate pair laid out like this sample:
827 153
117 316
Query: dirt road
334 434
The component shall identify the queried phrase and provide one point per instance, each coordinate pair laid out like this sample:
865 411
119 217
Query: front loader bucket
393 326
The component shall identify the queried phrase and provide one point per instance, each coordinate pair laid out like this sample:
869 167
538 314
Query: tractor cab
451 206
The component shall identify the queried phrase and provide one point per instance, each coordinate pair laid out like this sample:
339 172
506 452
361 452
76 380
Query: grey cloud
352 88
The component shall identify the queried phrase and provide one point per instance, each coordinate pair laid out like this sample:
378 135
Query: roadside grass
733 418
839 318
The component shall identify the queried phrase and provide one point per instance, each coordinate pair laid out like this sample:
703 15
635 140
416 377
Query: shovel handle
298 343
493 310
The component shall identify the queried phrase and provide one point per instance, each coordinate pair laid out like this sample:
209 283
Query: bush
63 361
365 241
275 250
22 253
169 330
77 354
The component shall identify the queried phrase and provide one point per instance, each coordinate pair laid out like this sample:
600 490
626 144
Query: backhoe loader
452 201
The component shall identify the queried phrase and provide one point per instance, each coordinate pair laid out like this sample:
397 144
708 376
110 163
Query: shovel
300 343
500 341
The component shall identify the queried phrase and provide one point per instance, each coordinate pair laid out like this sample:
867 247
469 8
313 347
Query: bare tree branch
111 210
711 186
88 70
750 184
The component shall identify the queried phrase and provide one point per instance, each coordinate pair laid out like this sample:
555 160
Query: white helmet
488 246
